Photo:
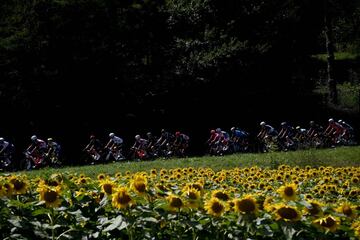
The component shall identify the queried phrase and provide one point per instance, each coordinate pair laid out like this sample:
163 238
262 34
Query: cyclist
114 147
314 130
162 144
53 152
140 147
349 130
285 136
239 139
151 141
334 130
266 136
35 152
94 148
38 145
7 150
180 144
266 130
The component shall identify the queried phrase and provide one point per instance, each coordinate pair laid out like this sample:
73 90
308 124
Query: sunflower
288 192
355 180
287 213
192 196
220 194
214 207
8 189
81 192
327 223
198 186
356 228
354 192
101 176
50 195
246 205
97 196
139 183
175 202
314 208
153 171
121 198
107 186
20 184
83 180
347 209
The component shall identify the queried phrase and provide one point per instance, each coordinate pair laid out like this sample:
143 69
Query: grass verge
337 157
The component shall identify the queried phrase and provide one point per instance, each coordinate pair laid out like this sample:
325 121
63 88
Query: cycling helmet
283 124
297 127
262 124
33 138
111 135
218 130
312 123
148 134
2 139
331 120
137 137
50 139
177 134
340 121
92 136
232 129
212 131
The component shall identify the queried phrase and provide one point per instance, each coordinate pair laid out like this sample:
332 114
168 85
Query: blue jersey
240 134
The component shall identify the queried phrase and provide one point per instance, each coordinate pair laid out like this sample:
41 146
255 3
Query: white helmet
111 135
340 121
232 129
2 139
137 137
33 137
262 124
331 120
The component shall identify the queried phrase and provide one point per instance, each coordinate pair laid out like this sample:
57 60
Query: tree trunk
330 56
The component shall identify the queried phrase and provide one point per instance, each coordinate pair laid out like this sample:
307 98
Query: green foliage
338 56
348 96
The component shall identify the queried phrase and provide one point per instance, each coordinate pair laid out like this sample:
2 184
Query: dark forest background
69 68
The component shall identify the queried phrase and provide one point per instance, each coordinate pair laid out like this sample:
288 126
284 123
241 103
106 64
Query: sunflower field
184 203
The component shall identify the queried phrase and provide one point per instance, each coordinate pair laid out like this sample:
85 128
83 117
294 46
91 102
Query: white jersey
117 140
4 145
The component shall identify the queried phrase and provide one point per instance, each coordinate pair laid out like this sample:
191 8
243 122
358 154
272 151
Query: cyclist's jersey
347 126
239 134
41 144
214 137
270 130
55 147
181 139
117 140
301 133
164 138
95 144
286 131
225 136
151 141
313 130
4 146
336 128
140 144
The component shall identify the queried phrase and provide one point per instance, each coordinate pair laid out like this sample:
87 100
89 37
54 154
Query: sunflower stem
52 223
129 226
